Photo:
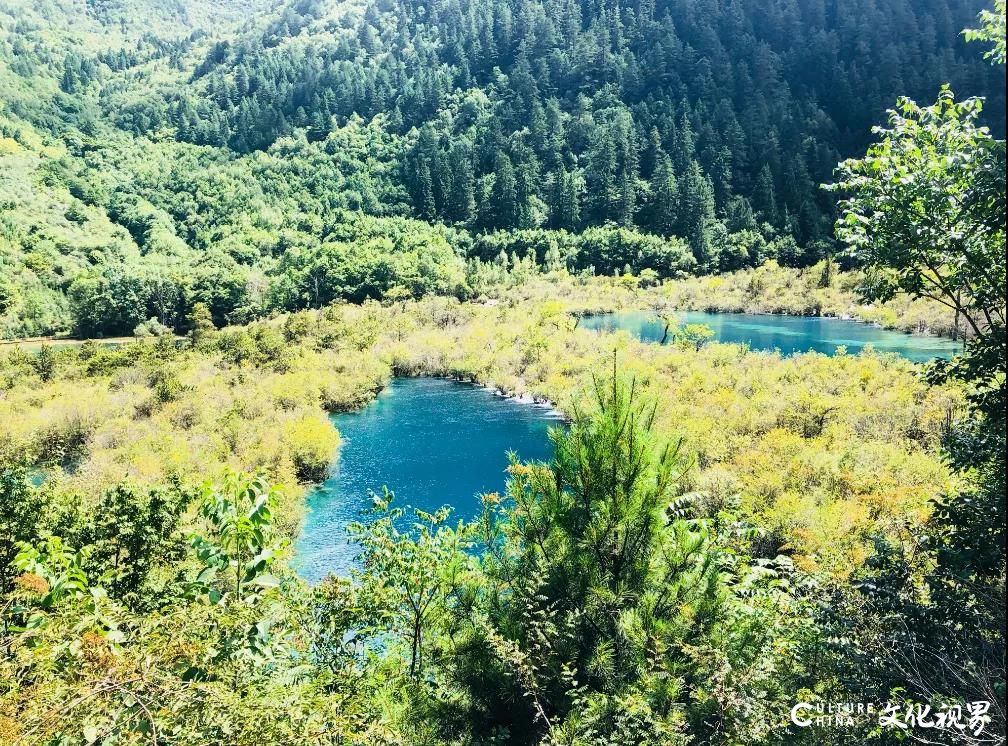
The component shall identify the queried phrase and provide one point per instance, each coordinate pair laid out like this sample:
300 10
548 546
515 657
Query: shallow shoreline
852 319
497 390
833 317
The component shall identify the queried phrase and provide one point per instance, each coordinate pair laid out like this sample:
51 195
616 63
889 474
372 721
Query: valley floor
819 454
822 448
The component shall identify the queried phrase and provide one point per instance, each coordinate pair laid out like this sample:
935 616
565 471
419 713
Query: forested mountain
226 152
289 205
587 112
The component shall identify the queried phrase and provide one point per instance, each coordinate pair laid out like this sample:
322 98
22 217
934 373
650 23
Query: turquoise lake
789 334
436 442
431 441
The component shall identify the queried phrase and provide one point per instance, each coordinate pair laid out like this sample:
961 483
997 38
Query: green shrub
65 442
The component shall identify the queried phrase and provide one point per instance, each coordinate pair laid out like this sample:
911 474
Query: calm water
432 442
789 334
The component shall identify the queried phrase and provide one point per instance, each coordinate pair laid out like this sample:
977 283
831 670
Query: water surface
433 442
789 334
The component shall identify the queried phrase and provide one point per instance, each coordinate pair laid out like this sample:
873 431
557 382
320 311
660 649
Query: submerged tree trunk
664 339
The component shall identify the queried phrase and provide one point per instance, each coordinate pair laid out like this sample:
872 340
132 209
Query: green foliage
44 363
694 335
113 302
60 567
268 167
151 328
64 442
358 271
133 532
599 250
592 589
21 512
234 670
237 557
413 565
925 210
991 31
201 324
313 444
925 216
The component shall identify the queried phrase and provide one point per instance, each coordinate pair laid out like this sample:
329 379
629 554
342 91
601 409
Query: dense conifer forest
244 155
281 206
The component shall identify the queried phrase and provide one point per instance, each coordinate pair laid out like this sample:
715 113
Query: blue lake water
789 334
433 442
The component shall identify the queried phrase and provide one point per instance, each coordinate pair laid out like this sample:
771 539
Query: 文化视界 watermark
968 717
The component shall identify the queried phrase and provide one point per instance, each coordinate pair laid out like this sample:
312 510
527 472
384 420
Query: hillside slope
228 152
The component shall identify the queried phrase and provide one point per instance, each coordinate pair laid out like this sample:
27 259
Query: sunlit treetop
991 31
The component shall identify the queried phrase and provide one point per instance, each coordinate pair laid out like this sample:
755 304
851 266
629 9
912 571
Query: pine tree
526 195
664 206
553 260
503 196
201 323
652 153
462 202
683 148
587 576
528 208
555 139
565 210
626 204
601 177
426 206
764 198
696 214
696 200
